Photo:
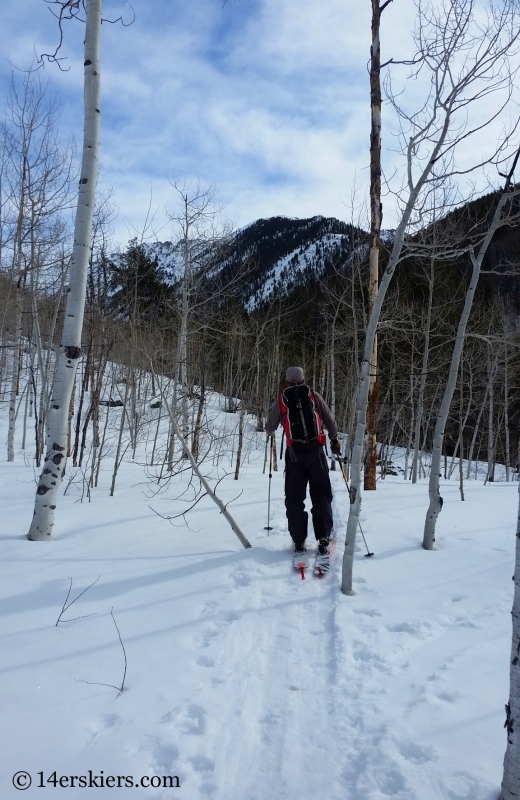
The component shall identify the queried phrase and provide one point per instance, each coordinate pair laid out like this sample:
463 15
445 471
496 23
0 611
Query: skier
303 413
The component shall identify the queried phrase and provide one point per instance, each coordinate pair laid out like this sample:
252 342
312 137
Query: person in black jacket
303 414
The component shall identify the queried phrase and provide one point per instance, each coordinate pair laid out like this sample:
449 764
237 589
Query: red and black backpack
301 421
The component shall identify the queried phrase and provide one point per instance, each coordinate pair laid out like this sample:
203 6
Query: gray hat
294 375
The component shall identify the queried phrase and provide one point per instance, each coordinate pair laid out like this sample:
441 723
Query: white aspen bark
48 368
15 372
28 390
475 433
183 356
155 437
412 426
17 264
462 423
506 415
332 378
422 385
240 436
70 347
490 473
119 439
511 777
198 421
435 506
101 447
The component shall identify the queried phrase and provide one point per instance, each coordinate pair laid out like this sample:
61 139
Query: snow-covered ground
243 681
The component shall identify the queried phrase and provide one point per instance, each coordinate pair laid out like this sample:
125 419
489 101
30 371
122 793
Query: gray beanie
294 375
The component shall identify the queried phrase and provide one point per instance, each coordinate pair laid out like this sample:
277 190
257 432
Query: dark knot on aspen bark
72 352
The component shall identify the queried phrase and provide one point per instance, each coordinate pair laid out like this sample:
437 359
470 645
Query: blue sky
266 99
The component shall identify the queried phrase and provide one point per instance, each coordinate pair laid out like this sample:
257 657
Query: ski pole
281 447
268 527
368 553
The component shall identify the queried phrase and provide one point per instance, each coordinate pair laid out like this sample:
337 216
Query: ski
322 563
301 562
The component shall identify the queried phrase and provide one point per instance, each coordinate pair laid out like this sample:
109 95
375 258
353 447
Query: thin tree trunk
333 378
492 368
71 415
506 415
475 433
198 422
119 441
424 368
156 434
240 436
375 234
16 370
461 432
84 384
101 447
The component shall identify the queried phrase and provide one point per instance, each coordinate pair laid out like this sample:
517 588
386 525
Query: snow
292 266
244 681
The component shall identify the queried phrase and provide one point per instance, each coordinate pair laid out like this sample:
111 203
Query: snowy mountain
271 257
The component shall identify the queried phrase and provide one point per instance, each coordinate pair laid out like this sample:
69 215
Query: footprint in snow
370 612
240 577
417 629
201 763
208 607
191 720
364 654
217 627
195 721
165 755
464 622
416 754
449 697
205 661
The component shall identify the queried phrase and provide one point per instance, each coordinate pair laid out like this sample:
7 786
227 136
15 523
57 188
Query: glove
335 447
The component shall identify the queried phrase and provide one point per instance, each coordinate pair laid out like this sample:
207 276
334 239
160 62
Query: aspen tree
375 232
70 346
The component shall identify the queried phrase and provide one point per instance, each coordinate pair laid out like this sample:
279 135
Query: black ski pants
301 468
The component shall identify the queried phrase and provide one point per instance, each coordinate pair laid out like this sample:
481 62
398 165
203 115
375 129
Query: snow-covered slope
271 257
243 681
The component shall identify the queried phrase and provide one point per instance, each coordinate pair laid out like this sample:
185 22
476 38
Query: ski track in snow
302 716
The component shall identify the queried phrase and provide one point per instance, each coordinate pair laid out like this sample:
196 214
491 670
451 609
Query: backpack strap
286 423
